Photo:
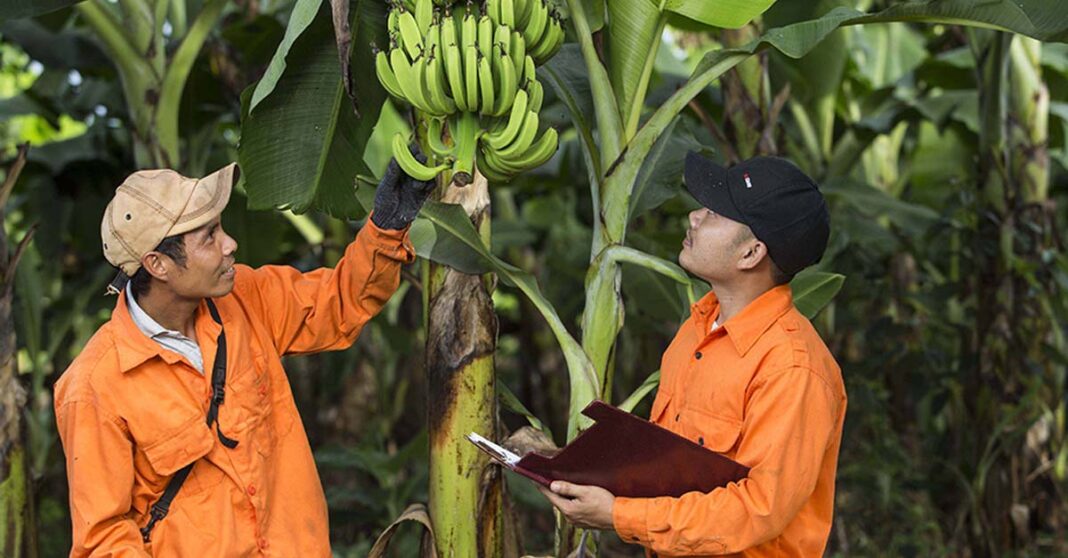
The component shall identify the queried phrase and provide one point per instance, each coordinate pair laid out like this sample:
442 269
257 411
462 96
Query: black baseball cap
780 203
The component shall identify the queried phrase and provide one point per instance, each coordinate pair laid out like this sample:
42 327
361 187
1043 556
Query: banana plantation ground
936 129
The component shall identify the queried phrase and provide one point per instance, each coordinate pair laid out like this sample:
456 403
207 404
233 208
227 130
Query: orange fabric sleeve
100 472
790 419
325 309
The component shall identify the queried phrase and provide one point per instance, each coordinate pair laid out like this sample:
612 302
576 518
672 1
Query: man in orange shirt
177 420
746 376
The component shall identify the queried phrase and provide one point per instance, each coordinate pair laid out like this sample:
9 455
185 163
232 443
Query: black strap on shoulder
218 395
160 508
218 380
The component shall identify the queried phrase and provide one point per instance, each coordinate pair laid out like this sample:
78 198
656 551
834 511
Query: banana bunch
472 73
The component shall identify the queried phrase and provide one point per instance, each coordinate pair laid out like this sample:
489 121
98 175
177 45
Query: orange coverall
764 390
131 413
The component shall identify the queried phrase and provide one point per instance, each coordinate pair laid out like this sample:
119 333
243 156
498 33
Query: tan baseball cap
151 205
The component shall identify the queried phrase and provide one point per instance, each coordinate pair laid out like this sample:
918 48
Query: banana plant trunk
18 536
466 492
1014 322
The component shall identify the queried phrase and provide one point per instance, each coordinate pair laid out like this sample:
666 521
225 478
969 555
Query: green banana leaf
303 146
566 74
304 12
633 38
445 234
719 13
512 403
1036 18
813 290
14 9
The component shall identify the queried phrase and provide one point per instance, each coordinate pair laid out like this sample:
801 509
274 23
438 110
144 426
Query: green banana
424 15
435 80
421 69
393 22
540 152
410 164
486 86
536 94
408 79
485 35
535 28
509 83
386 75
411 38
507 13
522 141
491 171
454 70
550 43
433 136
471 77
493 10
518 52
522 12
501 139
529 71
465 130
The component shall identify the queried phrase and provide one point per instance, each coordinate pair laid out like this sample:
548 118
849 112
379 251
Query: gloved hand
399 196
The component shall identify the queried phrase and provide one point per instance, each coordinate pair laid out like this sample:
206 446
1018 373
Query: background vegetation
941 148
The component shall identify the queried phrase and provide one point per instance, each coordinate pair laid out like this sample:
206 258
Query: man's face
209 263
714 246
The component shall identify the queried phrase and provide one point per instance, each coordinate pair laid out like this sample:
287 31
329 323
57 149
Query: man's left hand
399 196
589 507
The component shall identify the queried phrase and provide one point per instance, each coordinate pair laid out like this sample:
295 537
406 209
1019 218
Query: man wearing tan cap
179 427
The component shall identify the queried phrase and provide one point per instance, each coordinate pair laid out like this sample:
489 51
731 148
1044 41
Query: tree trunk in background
466 492
17 526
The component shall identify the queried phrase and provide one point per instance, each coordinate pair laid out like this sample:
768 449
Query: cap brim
221 184
707 183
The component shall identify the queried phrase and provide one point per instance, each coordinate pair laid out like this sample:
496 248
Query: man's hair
172 247
778 276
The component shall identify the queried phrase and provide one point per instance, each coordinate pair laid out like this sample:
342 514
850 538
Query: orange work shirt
131 413
764 390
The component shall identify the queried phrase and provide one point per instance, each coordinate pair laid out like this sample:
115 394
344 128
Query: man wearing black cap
746 376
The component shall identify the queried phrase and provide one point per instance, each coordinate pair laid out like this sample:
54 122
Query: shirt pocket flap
715 432
181 447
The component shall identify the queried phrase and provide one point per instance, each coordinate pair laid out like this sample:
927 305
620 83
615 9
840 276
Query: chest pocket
715 432
179 448
264 415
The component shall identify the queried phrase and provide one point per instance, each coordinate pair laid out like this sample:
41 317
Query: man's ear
753 252
156 265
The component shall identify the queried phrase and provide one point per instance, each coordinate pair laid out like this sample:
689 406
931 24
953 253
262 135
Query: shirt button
697 355
251 490
701 440
677 417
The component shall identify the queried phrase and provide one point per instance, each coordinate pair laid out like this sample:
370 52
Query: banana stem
465 138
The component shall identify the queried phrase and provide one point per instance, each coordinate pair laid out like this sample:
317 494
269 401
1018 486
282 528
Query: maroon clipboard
629 457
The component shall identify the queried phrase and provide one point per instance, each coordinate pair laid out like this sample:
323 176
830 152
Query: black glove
399 196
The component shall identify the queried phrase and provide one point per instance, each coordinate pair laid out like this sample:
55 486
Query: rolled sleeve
325 309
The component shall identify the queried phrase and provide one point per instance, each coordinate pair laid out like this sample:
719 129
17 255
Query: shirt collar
745 327
136 348
142 320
